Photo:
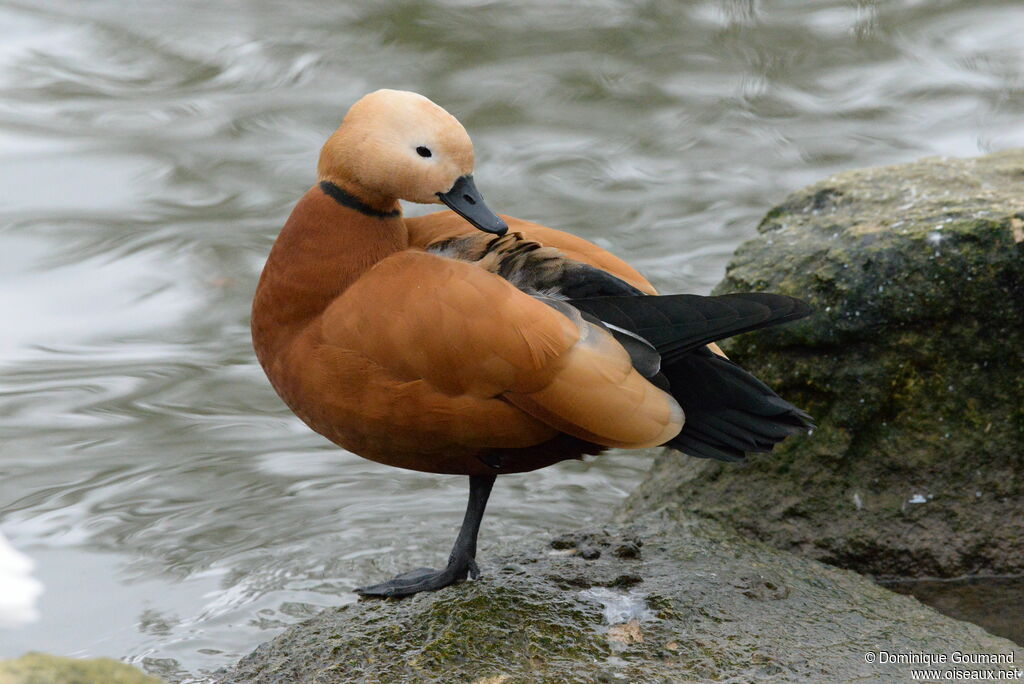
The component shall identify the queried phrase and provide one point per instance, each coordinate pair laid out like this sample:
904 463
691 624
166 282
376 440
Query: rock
913 367
39 668
589 545
701 603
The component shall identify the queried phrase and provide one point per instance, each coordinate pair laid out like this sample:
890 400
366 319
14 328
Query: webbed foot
422 579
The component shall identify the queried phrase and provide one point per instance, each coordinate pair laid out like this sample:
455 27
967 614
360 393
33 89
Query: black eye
423 151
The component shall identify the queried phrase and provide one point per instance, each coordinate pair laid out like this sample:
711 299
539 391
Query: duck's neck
331 238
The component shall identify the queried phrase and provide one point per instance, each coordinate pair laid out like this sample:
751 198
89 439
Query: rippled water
177 512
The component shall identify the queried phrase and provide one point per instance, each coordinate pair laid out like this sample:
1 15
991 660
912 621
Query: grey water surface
177 512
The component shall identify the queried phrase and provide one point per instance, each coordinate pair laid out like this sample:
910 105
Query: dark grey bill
465 200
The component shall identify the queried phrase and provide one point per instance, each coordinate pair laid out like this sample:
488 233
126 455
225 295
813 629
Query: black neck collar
352 202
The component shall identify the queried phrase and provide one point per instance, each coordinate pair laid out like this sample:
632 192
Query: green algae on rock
913 367
697 603
40 668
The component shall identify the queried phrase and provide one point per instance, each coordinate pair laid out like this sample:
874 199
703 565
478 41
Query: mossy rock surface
912 365
665 599
40 668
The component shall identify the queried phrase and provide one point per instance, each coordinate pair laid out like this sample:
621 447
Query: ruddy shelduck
468 343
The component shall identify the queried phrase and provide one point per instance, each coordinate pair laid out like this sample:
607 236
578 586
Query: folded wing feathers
728 411
676 324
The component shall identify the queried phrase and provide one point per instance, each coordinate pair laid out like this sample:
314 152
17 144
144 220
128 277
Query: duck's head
393 144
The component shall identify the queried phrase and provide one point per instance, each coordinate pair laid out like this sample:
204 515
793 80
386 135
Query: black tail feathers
728 411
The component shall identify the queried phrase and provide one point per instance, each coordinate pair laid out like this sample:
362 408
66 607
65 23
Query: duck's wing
536 259
669 338
467 331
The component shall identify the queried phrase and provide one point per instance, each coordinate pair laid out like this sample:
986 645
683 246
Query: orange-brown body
344 297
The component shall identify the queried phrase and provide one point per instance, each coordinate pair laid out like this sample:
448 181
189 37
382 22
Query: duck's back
447 230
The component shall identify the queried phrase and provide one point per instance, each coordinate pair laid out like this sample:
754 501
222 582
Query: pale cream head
394 144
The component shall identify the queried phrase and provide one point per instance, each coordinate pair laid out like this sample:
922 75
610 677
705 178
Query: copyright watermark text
949 666
955 658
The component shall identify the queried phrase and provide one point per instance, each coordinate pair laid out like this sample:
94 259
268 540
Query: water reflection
177 512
